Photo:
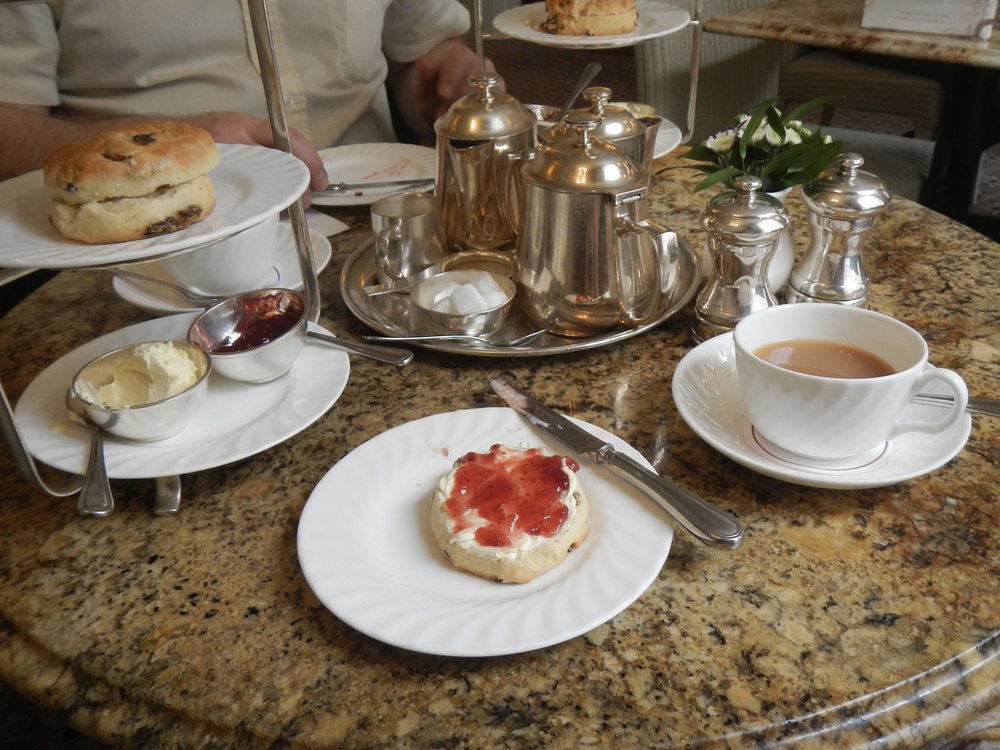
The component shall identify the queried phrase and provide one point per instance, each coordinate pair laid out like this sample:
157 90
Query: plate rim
36 430
312 541
513 20
164 307
751 459
60 252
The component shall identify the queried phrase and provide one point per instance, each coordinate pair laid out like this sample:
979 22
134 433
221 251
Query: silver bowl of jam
253 337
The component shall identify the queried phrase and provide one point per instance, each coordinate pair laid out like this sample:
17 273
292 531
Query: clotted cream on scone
510 514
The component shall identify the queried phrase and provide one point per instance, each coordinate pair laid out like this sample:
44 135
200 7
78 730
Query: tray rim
357 301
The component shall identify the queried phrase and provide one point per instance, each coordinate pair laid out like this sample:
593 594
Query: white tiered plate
376 162
251 183
655 19
161 300
365 545
707 393
237 419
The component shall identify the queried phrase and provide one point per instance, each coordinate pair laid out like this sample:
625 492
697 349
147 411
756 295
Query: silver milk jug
636 136
743 230
587 258
481 141
843 204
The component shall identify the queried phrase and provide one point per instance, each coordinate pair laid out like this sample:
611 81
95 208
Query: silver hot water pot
587 258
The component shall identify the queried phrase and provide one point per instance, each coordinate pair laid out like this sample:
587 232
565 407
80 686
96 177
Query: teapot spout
652 126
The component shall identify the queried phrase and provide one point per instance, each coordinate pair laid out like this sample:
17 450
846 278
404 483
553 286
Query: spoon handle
989 406
95 497
388 354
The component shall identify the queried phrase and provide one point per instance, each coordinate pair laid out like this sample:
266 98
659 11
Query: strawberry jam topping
515 491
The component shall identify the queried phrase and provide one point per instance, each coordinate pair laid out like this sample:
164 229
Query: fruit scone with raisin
510 514
141 179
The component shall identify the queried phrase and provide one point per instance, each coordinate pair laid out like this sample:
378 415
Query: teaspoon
990 406
95 498
589 72
517 341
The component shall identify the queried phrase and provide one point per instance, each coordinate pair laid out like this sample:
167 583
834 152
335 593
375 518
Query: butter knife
707 523
339 188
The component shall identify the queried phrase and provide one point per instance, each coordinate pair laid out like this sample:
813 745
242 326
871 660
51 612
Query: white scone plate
237 419
655 19
365 545
359 163
251 183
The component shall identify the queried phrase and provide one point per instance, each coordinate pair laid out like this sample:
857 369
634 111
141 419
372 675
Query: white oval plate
251 183
376 162
365 545
161 300
707 393
237 419
655 19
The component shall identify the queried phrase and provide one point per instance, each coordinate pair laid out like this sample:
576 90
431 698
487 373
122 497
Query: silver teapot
481 141
636 136
587 258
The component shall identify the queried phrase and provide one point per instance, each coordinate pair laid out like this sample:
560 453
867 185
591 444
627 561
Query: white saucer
707 393
161 300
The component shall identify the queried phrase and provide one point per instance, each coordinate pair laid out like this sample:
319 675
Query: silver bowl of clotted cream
144 391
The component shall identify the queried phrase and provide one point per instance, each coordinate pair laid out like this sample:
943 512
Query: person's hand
236 127
425 88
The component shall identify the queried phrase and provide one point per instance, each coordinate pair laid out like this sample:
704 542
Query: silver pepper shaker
843 204
743 229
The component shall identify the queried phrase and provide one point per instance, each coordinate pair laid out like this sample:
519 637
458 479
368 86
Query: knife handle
707 523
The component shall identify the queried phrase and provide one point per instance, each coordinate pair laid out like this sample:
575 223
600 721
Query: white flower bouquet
782 152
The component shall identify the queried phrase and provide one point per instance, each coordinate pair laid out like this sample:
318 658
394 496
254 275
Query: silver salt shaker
843 204
743 230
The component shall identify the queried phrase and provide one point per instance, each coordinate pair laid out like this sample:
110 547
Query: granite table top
847 618
837 24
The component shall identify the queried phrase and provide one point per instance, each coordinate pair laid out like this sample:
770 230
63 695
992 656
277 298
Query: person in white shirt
71 67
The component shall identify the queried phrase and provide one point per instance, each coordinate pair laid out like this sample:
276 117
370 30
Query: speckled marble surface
837 24
848 618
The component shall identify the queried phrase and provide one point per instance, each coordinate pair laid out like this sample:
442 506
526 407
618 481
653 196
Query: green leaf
701 153
810 105
716 177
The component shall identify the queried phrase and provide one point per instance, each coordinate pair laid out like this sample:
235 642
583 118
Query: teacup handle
954 383
388 238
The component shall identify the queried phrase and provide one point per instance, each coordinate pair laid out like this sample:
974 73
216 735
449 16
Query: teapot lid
581 163
485 114
745 216
617 123
845 191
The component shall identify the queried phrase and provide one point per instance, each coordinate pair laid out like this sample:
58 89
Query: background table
969 67
846 618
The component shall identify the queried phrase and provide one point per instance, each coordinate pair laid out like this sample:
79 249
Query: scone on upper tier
590 17
510 514
141 179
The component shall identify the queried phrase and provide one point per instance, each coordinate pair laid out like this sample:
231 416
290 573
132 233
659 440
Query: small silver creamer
843 204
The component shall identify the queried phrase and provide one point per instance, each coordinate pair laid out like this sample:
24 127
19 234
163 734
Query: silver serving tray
394 315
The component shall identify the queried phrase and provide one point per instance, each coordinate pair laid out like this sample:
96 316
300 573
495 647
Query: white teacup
237 264
824 417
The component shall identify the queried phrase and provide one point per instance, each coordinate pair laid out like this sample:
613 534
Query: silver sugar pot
743 227
843 204
588 259
481 141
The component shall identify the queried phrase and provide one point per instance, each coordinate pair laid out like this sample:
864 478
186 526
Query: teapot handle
667 247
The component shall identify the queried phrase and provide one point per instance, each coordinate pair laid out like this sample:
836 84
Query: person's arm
425 88
28 134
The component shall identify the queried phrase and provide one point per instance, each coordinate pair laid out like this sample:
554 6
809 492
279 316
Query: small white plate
655 19
251 183
376 162
365 545
707 393
161 300
237 419
668 137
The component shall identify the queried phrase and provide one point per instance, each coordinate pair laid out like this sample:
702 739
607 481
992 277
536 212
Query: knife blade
339 188
707 523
